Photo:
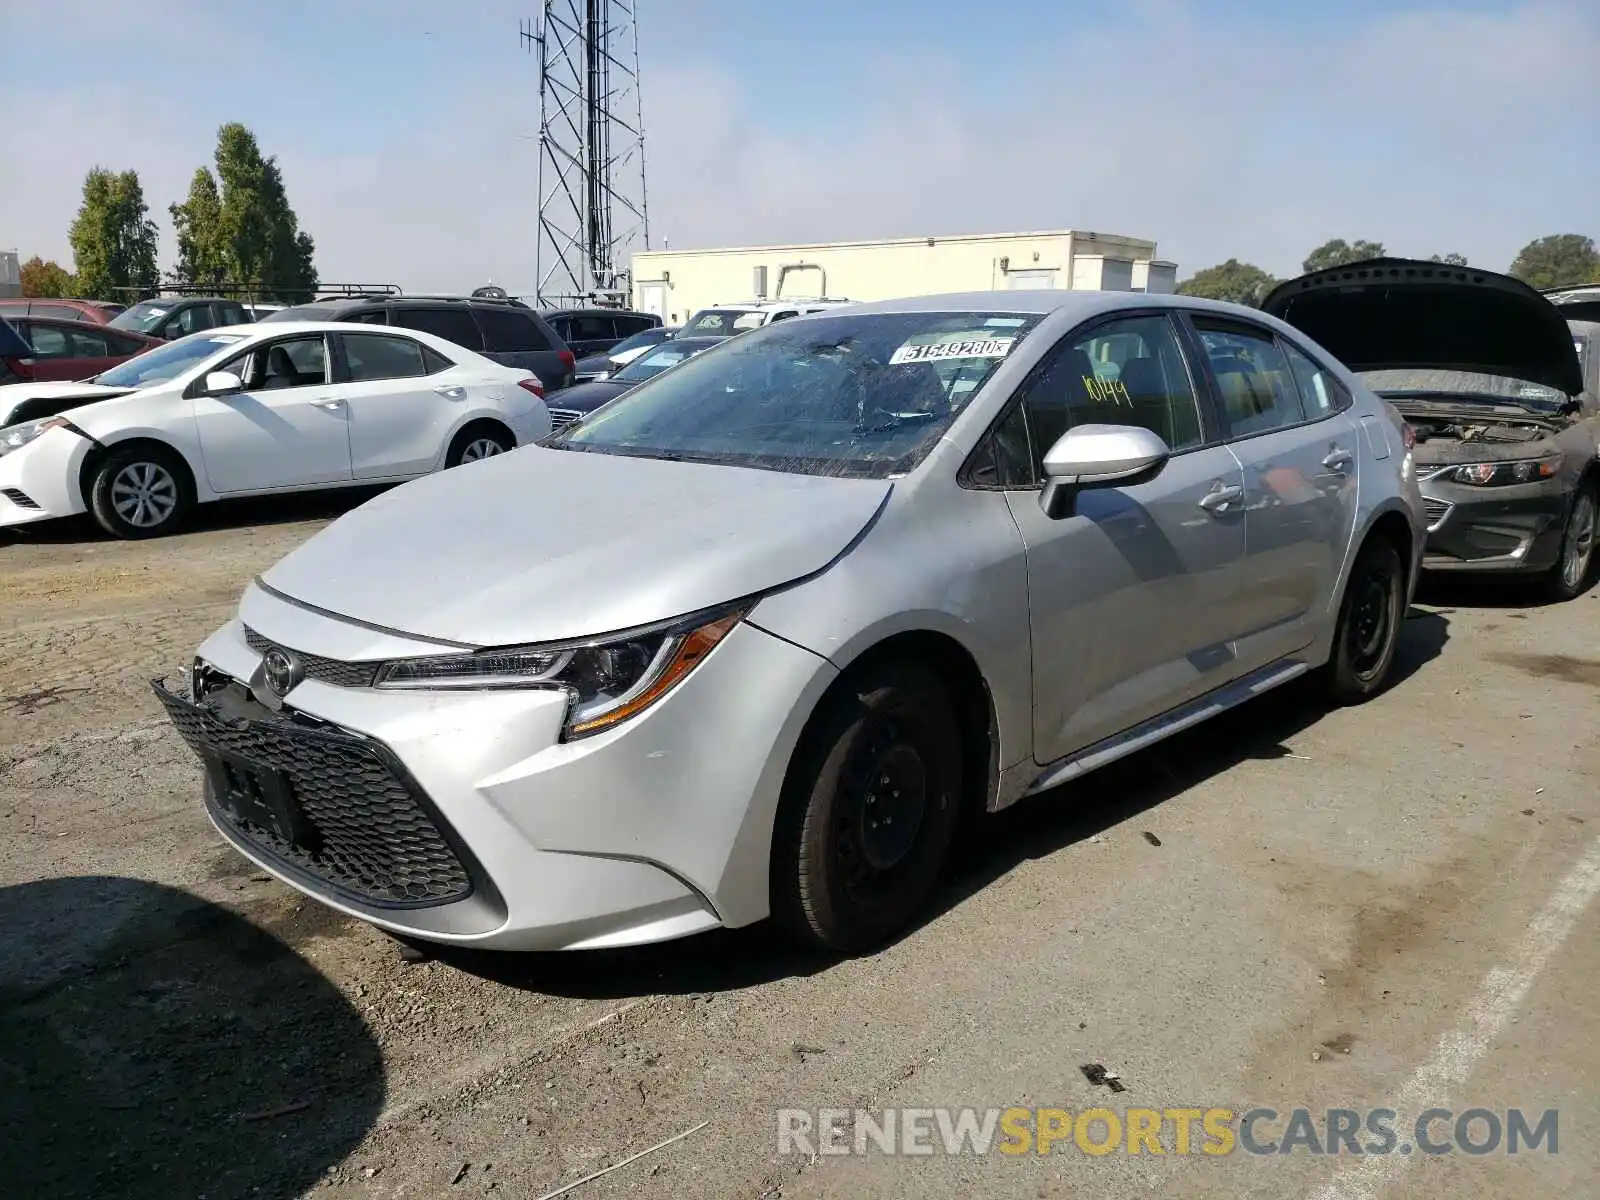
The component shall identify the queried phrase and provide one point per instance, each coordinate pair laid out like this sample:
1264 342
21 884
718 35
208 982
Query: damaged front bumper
1511 529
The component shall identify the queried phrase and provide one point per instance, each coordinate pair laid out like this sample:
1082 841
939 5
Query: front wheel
1370 615
140 492
1570 575
869 808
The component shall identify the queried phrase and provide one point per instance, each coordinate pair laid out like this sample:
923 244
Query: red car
66 350
94 312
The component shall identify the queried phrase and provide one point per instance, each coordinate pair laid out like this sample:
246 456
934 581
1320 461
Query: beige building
675 283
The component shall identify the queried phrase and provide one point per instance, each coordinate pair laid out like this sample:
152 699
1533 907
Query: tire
843 879
1570 576
1370 614
140 491
477 442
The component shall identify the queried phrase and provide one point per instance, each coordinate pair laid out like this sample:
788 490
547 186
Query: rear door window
1257 388
629 325
372 356
506 330
194 318
89 341
592 328
230 312
452 324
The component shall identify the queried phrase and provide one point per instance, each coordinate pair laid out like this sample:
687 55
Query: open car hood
1396 313
34 401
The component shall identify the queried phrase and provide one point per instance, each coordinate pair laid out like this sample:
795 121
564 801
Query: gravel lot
1331 895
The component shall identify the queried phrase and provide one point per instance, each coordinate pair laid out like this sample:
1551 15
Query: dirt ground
1386 906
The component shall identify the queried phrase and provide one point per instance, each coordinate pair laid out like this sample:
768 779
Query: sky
1250 129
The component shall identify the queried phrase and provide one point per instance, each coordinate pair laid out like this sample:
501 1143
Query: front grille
324 670
563 416
370 832
1435 511
20 499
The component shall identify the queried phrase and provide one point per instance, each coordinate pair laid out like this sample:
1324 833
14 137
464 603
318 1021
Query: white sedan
251 410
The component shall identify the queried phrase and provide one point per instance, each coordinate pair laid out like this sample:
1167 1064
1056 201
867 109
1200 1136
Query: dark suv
505 330
589 331
178 316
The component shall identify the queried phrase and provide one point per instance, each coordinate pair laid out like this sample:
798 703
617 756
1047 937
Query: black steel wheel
1370 615
868 810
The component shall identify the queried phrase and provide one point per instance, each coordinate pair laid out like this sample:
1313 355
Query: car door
513 338
1301 458
54 357
401 410
595 333
1129 592
288 427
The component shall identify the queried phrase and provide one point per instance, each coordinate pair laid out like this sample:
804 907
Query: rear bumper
40 481
1504 530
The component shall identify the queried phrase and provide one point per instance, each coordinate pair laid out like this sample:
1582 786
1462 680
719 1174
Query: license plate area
259 795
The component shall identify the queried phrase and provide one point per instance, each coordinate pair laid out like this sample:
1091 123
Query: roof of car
1041 302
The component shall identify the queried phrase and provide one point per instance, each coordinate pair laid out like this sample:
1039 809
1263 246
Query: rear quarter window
506 330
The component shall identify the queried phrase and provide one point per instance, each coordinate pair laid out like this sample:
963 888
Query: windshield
166 362
721 322
648 337
144 316
656 362
1464 386
860 395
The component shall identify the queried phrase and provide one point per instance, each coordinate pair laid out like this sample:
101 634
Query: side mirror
223 383
1097 456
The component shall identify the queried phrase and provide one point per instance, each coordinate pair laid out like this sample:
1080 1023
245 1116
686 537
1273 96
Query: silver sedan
747 640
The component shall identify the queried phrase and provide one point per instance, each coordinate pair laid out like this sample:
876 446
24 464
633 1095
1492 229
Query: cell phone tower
591 180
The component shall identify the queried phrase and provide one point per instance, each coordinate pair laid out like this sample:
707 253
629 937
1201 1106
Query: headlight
1500 474
14 437
606 682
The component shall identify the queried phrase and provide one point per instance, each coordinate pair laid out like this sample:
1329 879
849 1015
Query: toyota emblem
281 670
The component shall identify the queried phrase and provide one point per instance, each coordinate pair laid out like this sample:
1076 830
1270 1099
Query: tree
1242 283
44 279
1337 252
264 246
113 238
1454 260
202 254
1558 260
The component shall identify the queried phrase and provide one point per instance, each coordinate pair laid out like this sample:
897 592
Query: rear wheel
477 442
1370 614
1570 575
868 811
140 492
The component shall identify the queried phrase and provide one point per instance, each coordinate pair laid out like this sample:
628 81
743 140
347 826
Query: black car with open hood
1485 370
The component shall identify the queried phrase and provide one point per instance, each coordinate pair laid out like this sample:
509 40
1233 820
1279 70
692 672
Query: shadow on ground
732 959
157 1045
219 515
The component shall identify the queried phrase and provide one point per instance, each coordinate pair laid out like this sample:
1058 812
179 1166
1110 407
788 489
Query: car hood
586 397
543 545
1392 313
33 401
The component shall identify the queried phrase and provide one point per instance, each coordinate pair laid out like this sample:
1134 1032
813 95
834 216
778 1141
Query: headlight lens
1501 474
14 437
606 682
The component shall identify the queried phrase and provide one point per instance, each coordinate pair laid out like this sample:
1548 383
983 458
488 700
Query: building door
1031 280
653 299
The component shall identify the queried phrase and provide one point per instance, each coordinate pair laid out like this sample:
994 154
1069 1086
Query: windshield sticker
985 347
227 339
157 312
1004 322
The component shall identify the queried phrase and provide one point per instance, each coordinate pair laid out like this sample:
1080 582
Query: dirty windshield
857 395
166 362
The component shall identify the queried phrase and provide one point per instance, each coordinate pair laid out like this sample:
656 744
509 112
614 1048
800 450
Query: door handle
331 403
1218 499
452 392
1338 459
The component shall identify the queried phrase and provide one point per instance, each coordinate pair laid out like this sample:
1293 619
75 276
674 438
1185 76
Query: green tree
1242 283
1454 260
1558 260
202 254
45 279
1337 252
113 238
265 248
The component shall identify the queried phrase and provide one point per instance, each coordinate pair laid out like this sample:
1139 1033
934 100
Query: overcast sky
1220 128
